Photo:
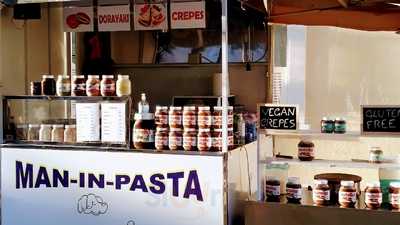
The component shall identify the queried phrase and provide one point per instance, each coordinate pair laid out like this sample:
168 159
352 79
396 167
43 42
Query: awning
371 15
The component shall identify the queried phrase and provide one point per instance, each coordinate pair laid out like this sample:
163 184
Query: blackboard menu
277 117
380 119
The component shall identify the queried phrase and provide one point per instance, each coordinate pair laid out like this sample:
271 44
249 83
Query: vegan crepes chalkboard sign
380 120
277 117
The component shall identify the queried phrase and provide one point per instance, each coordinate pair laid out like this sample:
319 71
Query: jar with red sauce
189 119
161 116
347 194
107 85
175 139
373 195
394 195
93 85
204 118
217 117
78 85
175 117
190 139
204 141
161 139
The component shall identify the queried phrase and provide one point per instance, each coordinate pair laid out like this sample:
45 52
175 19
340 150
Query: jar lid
63 76
340 119
22 126
325 118
204 130
161 129
93 76
159 107
347 183
34 125
189 108
271 178
58 126
144 116
321 181
204 108
220 108
70 126
217 130
395 184
176 129
175 108
108 76
190 129
375 148
78 77
47 76
46 125
123 77
375 184
293 180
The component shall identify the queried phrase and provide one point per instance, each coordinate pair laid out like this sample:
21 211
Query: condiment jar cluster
337 126
80 86
57 133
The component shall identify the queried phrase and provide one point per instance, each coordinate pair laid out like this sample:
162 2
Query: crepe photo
150 17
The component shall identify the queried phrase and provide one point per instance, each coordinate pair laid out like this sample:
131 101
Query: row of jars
80 86
191 139
191 117
59 133
322 193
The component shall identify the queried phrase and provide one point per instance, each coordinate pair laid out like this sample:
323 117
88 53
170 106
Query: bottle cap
108 76
347 183
93 76
375 184
123 77
293 180
204 108
175 108
160 108
48 76
321 181
271 178
58 126
46 125
395 184
189 108
71 126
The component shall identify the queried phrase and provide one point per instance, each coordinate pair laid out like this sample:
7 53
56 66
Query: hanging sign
114 18
78 19
188 15
64 187
150 17
277 117
380 120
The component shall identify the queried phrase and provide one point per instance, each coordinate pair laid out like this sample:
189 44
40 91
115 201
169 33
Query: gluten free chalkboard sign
380 120
277 117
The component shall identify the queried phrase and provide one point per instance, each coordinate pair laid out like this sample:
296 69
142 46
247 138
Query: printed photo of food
151 15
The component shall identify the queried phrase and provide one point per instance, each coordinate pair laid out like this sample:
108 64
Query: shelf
315 134
335 163
76 98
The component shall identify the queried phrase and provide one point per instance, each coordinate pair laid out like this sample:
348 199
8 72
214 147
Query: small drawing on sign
130 222
92 204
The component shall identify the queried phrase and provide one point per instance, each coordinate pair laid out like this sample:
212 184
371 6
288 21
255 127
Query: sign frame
376 134
277 105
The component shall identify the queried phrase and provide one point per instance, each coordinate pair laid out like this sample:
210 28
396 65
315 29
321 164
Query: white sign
150 17
114 18
188 15
78 19
50 187
113 122
87 122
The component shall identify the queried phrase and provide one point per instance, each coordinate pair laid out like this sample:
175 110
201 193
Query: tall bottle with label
144 127
143 105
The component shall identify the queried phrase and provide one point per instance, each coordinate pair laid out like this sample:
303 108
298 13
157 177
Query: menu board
380 120
277 117
87 122
113 122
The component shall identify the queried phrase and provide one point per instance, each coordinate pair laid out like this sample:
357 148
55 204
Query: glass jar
45 132
217 140
161 140
327 125
22 132
93 85
347 194
305 150
204 141
124 87
272 189
190 139
48 85
321 193
217 117
373 195
107 85
175 139
161 116
189 117
375 155
78 85
70 134
394 195
36 88
57 134
294 192
63 85
33 132
175 117
204 117
340 125
144 131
